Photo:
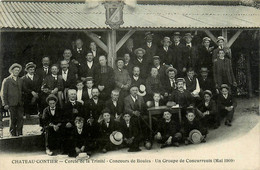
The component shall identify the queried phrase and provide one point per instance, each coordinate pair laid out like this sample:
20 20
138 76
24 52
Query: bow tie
73 102
52 109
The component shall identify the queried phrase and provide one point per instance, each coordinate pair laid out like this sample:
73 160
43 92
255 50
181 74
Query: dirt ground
239 143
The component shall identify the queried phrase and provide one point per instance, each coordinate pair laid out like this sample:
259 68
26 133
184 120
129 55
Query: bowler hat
89 79
29 65
156 57
120 59
51 97
195 136
208 92
148 35
176 34
139 49
116 138
204 69
220 38
14 66
188 35
167 39
180 80
224 86
171 69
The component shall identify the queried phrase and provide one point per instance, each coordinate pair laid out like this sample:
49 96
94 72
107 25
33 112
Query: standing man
80 52
165 52
141 62
43 71
222 46
12 99
149 47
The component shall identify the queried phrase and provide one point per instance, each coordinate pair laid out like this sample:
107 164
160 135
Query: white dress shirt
90 64
52 111
156 104
65 75
79 94
30 76
89 93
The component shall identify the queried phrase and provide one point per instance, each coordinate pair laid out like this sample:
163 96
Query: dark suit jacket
69 116
138 82
82 139
212 107
191 53
179 59
129 68
144 68
106 131
29 86
183 99
188 126
161 103
71 79
50 82
79 56
94 110
131 131
106 79
85 71
166 57
167 86
11 91
222 102
113 110
41 73
130 105
167 129
207 84
49 118
205 58
150 52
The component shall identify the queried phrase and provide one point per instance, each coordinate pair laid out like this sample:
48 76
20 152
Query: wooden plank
124 39
97 40
234 37
111 43
213 38
224 34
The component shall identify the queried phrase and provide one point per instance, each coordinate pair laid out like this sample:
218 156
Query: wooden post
249 79
214 39
111 43
224 34
95 38
124 39
1 59
233 39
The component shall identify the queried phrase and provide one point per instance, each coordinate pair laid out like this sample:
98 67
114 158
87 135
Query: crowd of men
85 105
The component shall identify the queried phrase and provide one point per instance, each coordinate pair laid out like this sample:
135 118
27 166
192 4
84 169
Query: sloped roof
50 15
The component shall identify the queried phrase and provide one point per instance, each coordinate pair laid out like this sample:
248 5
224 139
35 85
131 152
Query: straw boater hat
142 91
195 136
120 59
180 80
167 39
51 97
171 69
206 39
188 35
82 156
139 49
148 35
29 65
117 138
208 92
156 57
220 38
14 66
224 86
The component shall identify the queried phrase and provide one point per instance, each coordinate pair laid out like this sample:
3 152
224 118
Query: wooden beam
224 34
234 37
111 43
95 38
124 39
213 38
249 78
1 60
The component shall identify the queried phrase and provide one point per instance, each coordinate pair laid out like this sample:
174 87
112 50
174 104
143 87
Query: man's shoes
176 144
49 152
134 150
164 146
186 142
104 150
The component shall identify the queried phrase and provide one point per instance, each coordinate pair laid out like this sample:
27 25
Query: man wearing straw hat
222 46
11 94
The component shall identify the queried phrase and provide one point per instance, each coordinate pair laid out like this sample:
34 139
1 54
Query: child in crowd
157 100
226 105
89 86
52 120
168 131
108 128
81 92
130 132
82 140
190 124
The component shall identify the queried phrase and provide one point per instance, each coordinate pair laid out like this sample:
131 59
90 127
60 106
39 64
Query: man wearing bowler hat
31 83
149 47
180 61
165 52
11 94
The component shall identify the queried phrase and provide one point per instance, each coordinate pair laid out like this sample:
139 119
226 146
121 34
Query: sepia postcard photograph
129 84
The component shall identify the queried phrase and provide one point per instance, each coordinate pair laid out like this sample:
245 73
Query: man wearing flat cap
222 45
150 47
165 52
31 89
180 61
141 62
11 94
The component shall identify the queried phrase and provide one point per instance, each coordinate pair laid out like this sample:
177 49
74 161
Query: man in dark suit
221 46
80 52
128 63
68 77
12 99
128 48
52 121
115 106
205 82
136 80
149 47
169 83
161 68
141 62
43 71
95 51
87 67
165 52
191 52
205 54
180 61
67 55
31 89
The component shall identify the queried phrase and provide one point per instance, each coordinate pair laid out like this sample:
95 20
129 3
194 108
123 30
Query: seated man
169 83
115 106
226 105
207 109
54 83
192 84
167 132
136 80
130 132
52 121
107 127
153 84
205 82
189 124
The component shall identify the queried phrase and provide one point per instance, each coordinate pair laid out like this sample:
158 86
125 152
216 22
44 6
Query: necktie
46 70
